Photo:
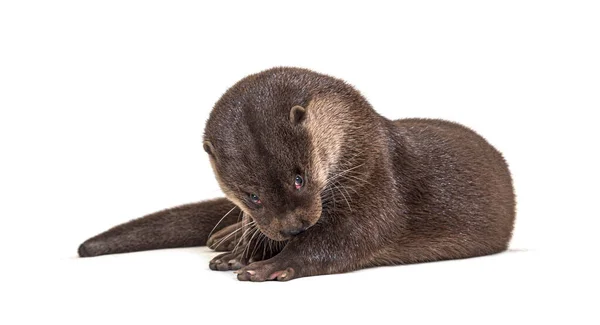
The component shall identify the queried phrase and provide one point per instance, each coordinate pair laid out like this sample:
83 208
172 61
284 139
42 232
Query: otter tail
182 226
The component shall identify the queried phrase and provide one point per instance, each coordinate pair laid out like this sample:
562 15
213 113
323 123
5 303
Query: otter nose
292 232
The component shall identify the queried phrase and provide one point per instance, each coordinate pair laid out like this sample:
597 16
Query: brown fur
377 192
184 226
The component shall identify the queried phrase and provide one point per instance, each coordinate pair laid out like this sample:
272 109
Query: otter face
261 153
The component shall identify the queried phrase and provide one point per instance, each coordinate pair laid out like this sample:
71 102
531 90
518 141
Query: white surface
103 106
176 287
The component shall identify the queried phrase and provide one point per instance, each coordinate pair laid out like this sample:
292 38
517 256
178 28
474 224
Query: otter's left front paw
273 269
227 261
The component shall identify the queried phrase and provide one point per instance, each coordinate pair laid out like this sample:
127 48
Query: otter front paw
227 261
273 269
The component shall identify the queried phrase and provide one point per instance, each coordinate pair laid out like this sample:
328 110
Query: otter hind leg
431 250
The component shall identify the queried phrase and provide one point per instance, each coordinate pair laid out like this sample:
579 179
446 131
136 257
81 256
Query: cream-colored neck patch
324 123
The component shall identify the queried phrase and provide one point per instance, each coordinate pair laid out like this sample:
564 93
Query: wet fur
405 191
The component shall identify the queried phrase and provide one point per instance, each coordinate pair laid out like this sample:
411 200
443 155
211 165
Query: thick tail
183 226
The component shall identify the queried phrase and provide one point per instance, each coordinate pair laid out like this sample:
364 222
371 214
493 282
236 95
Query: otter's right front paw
227 261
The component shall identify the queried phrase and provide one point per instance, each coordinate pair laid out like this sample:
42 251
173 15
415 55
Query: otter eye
254 198
298 182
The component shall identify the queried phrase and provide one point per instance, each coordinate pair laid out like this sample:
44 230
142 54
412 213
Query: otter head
259 141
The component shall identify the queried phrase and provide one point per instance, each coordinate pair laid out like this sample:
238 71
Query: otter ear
297 114
208 147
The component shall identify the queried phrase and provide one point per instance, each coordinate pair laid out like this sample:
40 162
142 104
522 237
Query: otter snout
291 225
286 223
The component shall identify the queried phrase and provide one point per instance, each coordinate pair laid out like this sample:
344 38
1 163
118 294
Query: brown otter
317 183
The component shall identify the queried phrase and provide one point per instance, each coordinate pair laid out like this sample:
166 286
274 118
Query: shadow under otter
316 182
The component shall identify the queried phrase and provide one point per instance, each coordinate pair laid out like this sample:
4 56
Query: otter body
317 182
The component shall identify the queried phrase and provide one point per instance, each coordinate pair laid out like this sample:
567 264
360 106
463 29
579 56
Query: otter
317 182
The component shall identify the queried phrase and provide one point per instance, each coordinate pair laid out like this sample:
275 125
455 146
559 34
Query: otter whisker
243 240
226 237
348 203
345 190
256 231
341 173
332 196
353 180
264 245
239 220
247 228
259 240
221 220
358 178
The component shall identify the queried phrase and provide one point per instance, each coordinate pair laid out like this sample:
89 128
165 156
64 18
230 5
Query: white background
103 106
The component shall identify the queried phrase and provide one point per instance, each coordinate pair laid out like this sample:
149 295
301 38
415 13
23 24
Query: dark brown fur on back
377 192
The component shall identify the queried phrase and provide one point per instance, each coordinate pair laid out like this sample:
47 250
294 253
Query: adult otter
317 183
